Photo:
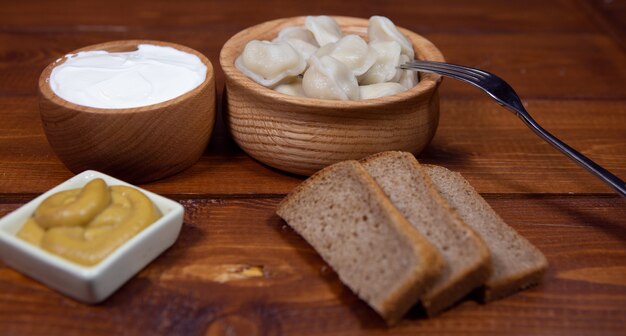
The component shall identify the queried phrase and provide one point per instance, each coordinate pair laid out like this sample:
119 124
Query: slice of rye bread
467 263
349 221
516 263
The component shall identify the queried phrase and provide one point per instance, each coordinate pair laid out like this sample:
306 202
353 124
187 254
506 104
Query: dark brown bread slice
516 263
350 222
467 263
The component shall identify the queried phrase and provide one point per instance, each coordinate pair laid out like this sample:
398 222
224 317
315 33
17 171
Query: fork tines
447 69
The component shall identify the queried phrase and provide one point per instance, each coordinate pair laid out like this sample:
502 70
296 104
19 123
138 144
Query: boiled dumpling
385 67
298 33
324 28
293 88
300 39
352 51
270 63
336 64
327 78
381 29
303 48
380 90
406 78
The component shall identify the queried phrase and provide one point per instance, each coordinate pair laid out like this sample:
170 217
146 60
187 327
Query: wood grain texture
119 16
492 148
610 16
197 286
302 135
540 66
138 144
564 58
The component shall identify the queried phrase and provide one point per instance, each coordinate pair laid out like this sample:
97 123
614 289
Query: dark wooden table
565 58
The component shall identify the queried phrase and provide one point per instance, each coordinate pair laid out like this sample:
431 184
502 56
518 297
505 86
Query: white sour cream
150 75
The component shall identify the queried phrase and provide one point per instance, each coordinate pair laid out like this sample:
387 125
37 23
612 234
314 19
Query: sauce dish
89 284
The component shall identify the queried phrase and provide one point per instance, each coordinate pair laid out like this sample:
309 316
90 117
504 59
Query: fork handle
606 176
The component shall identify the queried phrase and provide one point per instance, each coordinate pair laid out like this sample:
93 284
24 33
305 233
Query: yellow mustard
85 225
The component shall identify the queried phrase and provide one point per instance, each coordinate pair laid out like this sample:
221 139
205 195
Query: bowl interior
123 46
424 50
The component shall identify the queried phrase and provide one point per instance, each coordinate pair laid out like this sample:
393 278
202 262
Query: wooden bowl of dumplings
275 124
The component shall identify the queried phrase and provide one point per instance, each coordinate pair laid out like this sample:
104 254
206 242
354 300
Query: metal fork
504 94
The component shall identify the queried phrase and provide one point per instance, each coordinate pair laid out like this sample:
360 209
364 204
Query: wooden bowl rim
425 50
46 91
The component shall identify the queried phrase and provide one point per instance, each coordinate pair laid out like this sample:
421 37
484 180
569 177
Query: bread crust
499 287
400 300
421 279
474 275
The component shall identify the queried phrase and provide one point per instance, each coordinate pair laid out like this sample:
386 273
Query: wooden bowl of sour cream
302 135
136 121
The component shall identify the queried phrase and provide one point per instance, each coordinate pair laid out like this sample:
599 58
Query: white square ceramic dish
94 283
